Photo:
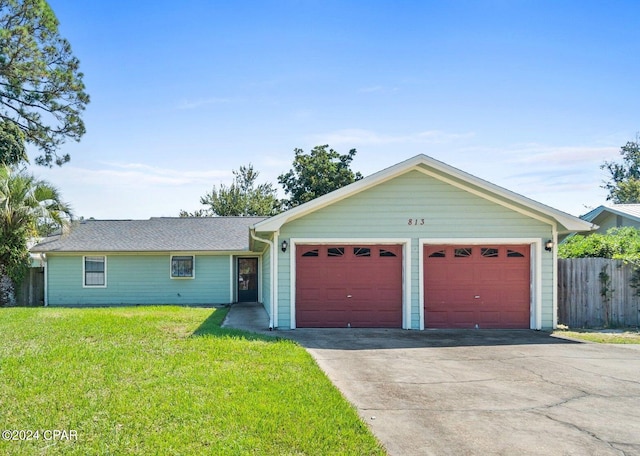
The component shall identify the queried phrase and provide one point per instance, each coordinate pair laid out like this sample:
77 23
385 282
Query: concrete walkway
479 392
248 316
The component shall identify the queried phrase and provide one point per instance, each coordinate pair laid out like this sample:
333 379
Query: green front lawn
164 380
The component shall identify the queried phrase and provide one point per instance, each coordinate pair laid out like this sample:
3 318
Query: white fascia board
276 222
442 170
570 222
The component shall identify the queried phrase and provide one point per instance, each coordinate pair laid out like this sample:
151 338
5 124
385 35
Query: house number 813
415 222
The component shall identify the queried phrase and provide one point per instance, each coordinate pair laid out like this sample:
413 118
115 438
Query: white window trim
84 277
193 271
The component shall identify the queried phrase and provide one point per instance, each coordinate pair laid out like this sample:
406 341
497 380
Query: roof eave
569 222
591 216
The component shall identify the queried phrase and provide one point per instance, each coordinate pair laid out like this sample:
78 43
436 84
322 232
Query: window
463 252
387 253
514 254
311 253
95 271
335 251
182 267
438 254
489 252
362 251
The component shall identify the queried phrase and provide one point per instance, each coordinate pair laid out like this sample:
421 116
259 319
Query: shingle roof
630 209
192 234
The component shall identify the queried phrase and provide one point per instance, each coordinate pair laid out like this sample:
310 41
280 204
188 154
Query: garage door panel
488 286
463 319
360 286
335 294
388 296
322 319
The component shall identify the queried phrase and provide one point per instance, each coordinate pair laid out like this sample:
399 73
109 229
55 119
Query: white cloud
540 154
150 174
355 137
132 190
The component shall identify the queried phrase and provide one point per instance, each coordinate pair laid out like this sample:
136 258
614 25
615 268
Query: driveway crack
587 432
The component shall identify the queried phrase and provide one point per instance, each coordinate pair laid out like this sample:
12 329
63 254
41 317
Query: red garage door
488 286
349 285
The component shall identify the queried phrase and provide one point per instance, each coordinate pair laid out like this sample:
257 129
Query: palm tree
28 207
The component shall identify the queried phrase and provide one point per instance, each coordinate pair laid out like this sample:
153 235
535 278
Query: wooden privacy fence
31 291
596 292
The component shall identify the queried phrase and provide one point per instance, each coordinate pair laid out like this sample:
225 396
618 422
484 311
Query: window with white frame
95 271
182 267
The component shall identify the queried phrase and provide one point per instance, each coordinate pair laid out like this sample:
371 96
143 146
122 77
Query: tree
27 205
41 88
317 173
196 213
624 182
621 243
242 198
12 148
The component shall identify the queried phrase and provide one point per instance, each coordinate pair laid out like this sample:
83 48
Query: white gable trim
486 196
483 188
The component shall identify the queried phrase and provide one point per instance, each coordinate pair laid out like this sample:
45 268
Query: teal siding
608 220
384 211
139 279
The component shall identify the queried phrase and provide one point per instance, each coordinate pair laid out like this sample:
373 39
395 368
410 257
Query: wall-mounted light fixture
548 246
284 246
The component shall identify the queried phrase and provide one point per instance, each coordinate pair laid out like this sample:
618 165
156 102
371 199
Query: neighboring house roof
565 223
631 211
162 234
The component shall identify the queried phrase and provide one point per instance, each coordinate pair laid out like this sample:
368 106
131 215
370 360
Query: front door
247 279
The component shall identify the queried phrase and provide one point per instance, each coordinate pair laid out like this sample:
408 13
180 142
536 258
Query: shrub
618 244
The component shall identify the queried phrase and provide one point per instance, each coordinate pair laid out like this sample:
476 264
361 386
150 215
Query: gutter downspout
273 262
554 254
43 256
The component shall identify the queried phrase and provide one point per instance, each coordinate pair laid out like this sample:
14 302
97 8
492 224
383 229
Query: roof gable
162 234
439 170
631 211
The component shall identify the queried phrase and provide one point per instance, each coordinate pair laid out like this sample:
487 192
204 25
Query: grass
600 336
165 380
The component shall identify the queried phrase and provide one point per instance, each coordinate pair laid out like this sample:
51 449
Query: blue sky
530 95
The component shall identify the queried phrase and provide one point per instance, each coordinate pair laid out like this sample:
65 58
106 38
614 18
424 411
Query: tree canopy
619 244
12 148
41 87
28 207
244 197
623 184
317 173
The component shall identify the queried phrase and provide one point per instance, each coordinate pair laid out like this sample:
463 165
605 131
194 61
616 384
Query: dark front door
247 279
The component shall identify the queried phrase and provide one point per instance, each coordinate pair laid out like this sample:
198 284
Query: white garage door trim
536 269
406 268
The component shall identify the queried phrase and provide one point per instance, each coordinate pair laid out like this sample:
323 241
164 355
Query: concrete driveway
484 392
